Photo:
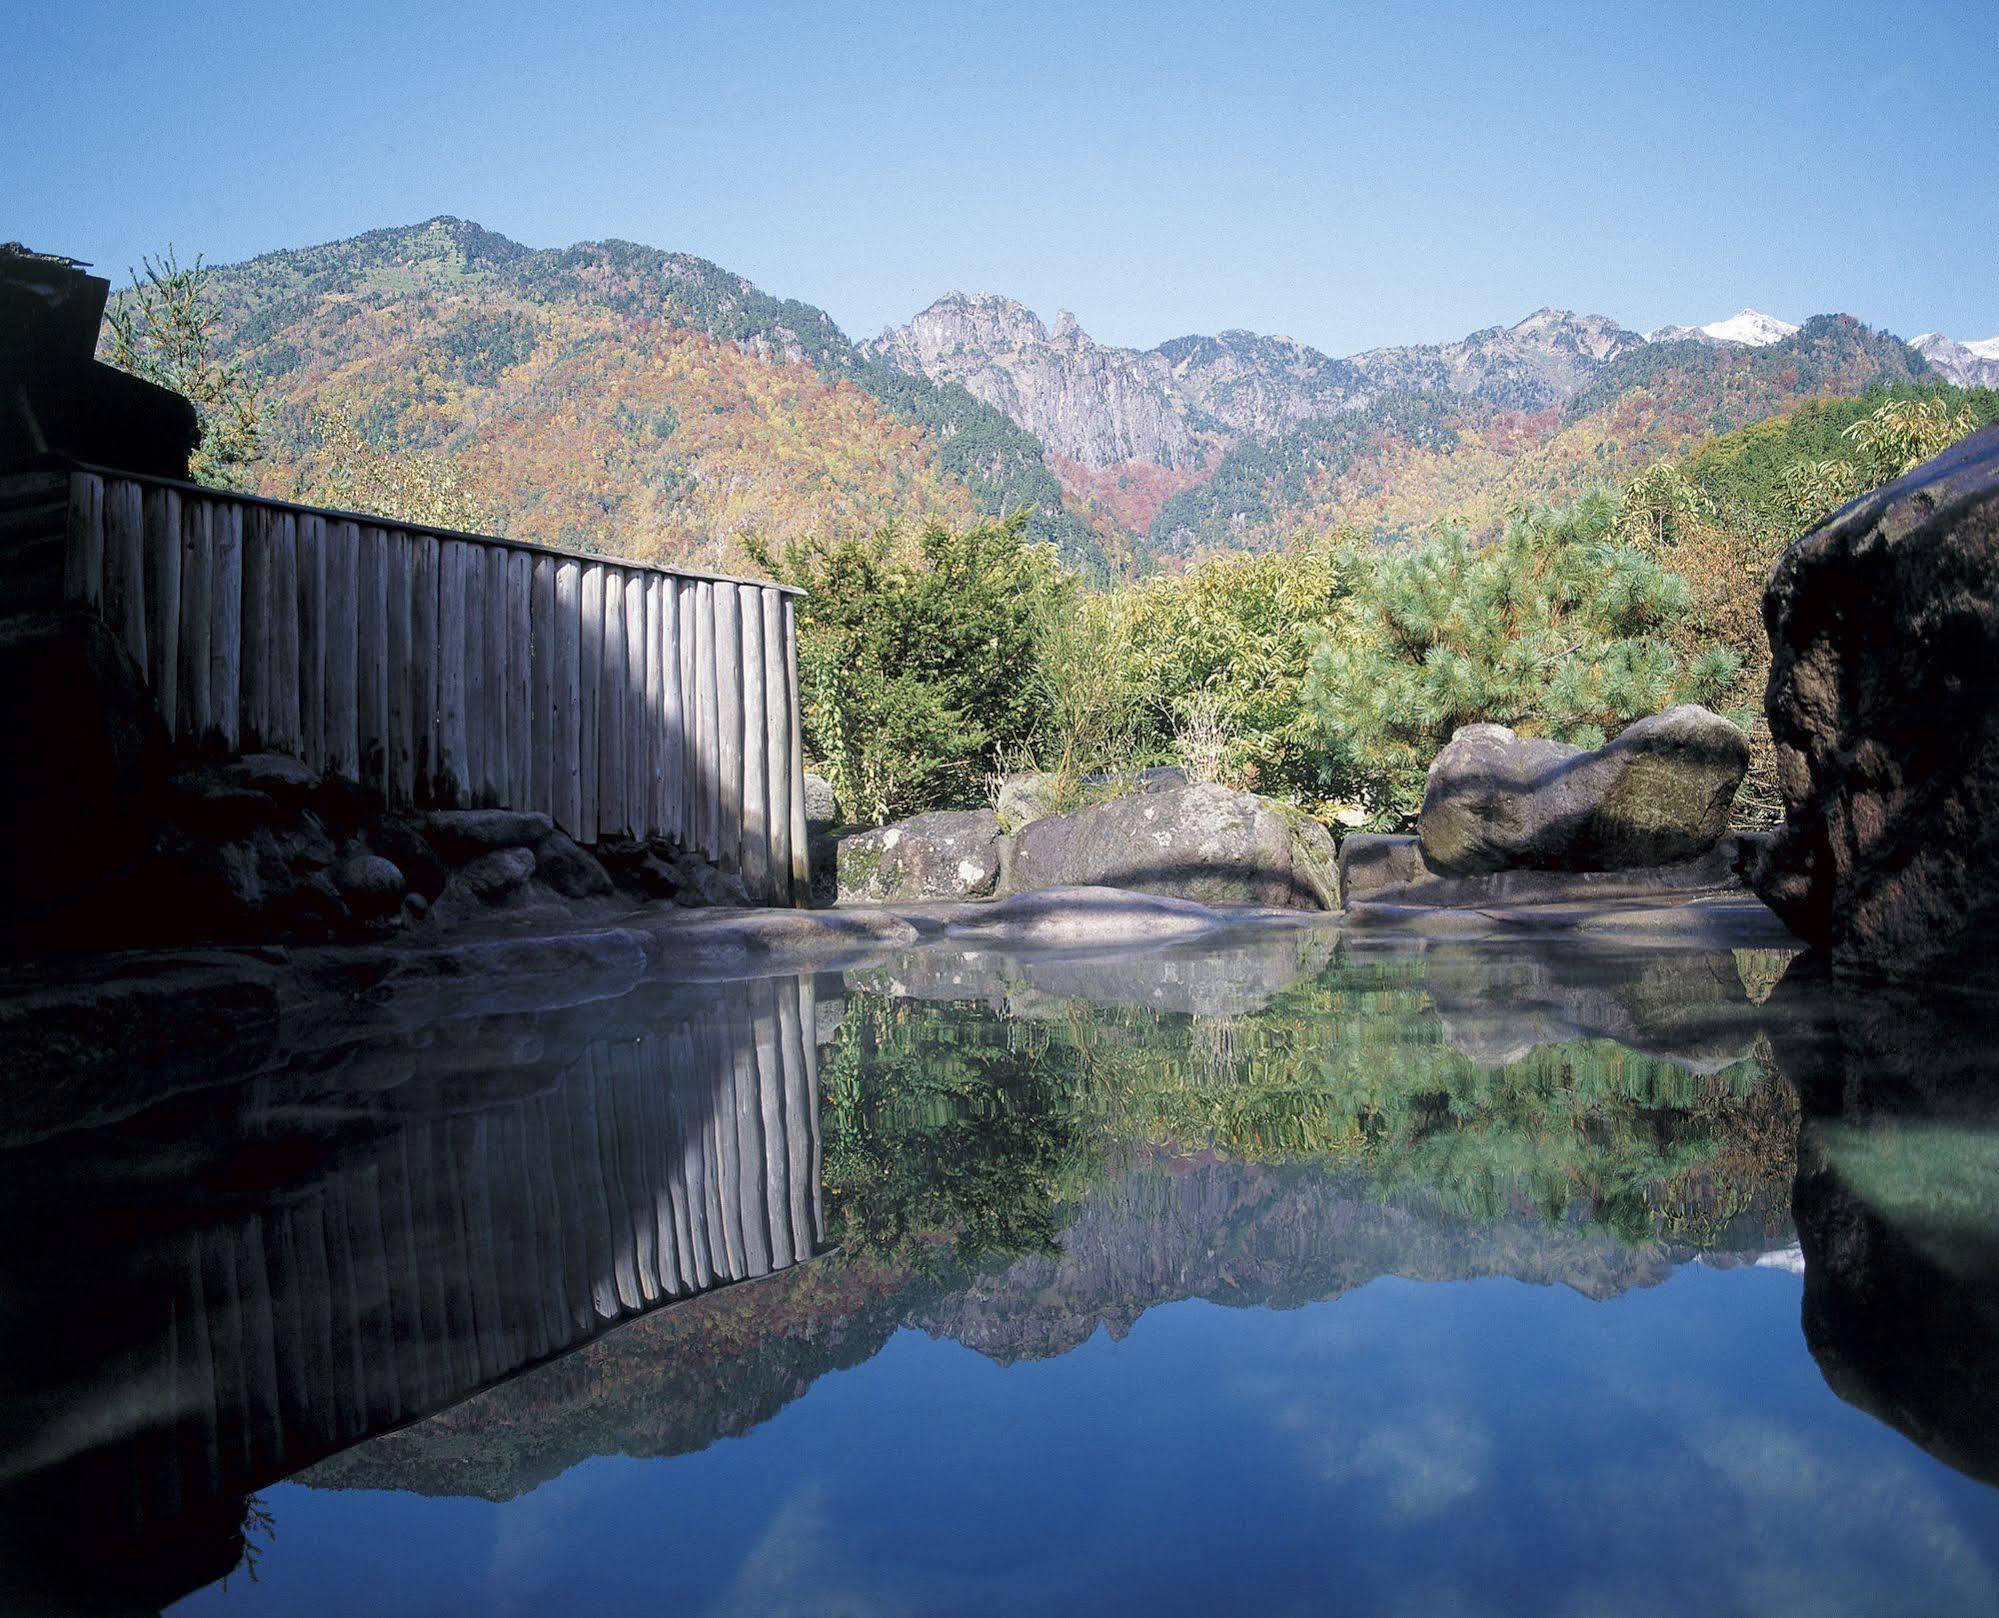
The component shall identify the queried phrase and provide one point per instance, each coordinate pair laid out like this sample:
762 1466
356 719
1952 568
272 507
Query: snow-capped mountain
1972 364
1748 328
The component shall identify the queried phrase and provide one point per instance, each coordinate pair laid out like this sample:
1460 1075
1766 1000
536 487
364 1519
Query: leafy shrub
919 659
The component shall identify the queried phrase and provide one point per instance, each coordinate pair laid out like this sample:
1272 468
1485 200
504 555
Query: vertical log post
343 611
520 681
611 710
311 544
371 658
756 753
426 554
638 794
708 835
777 747
729 720
402 681
161 584
589 680
454 776
541 693
83 551
801 861
197 572
225 625
565 713
125 566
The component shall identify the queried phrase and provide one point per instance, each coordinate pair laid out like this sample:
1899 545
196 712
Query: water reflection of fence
442 669
423 1260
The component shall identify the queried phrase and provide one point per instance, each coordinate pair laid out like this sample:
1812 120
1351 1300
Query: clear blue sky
1349 175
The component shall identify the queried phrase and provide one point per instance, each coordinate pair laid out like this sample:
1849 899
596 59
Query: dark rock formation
1198 842
951 854
1884 707
1657 793
56 397
86 757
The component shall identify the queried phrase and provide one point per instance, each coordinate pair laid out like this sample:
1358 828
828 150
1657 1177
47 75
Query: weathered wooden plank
371 658
707 729
161 574
225 626
611 711
541 687
454 781
729 721
283 732
343 627
637 771
590 680
801 866
498 562
125 566
655 709
474 566
402 741
256 651
425 554
192 710
749 1134
686 795
520 681
777 750
312 640
565 698
756 748
83 547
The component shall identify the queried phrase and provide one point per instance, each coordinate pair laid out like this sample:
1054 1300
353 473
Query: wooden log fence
449 670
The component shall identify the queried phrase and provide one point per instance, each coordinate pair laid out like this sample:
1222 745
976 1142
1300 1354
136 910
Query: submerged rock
1884 707
1659 792
1199 842
951 854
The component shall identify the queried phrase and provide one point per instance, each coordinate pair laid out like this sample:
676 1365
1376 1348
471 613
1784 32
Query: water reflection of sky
1482 1446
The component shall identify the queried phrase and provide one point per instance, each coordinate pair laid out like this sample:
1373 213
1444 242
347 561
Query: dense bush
1557 628
1219 654
919 658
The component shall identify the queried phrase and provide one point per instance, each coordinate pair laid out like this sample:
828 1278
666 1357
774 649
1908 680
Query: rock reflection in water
1897 1208
283 1270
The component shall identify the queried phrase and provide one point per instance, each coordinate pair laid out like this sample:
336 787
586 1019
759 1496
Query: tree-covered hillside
613 396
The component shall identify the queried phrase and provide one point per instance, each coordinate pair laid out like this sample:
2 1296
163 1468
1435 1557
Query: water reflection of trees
951 1119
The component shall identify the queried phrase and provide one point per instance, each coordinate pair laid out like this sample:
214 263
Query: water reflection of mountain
1014 1152
1018 1183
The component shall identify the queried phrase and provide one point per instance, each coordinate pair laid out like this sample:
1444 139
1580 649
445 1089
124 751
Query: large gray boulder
950 854
1884 708
1199 842
1659 792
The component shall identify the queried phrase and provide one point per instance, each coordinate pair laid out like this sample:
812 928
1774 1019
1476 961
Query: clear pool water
1270 1274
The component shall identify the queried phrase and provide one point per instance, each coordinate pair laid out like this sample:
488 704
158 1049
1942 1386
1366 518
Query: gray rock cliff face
1884 708
1531 365
1959 362
1177 405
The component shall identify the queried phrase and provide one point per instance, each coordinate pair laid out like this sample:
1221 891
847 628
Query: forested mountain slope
614 396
